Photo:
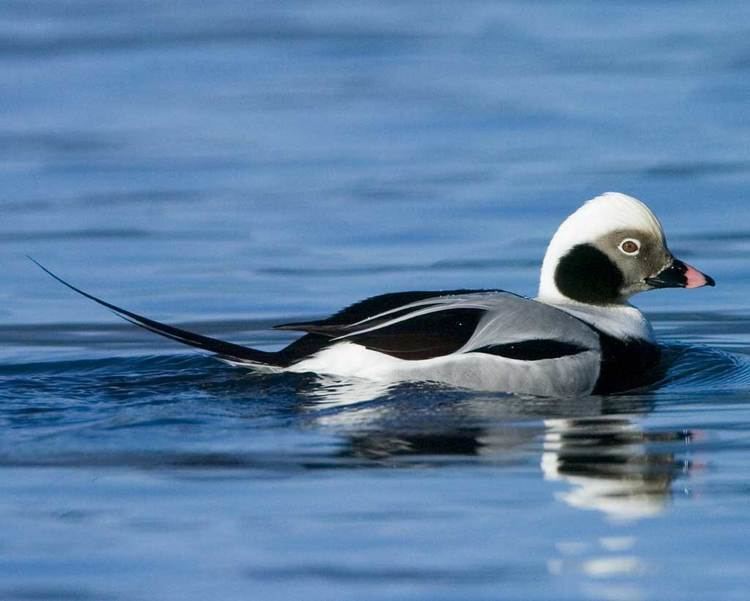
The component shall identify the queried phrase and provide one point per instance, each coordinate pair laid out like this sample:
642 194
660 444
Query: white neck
620 321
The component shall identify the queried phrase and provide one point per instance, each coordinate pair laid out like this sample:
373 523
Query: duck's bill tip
697 279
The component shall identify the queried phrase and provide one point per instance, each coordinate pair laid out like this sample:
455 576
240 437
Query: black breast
627 364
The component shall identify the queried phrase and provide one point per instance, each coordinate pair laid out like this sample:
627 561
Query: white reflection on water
338 392
607 460
609 466
613 466
610 565
602 567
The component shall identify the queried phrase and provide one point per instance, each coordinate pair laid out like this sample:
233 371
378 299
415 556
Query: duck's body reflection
596 444
593 452
612 465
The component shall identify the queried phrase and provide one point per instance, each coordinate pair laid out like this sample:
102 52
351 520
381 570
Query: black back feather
342 322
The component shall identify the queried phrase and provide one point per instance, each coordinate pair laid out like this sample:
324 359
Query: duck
579 336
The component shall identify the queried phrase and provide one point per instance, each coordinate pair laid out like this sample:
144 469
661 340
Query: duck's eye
630 246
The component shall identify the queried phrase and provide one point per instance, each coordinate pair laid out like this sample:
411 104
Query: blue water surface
229 165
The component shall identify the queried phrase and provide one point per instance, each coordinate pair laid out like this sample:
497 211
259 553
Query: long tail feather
225 350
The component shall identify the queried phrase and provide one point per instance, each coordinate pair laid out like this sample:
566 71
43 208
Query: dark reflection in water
488 574
608 461
614 466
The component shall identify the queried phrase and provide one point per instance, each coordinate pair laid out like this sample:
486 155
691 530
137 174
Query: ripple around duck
134 410
690 368
704 369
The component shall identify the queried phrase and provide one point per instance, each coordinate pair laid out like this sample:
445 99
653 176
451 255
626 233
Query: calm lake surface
229 165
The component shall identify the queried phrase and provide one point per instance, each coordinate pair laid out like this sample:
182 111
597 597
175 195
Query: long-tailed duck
579 336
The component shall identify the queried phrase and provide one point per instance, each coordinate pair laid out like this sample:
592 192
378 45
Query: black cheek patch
532 350
587 275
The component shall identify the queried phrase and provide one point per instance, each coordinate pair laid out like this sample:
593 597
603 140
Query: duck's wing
424 325
378 309
402 324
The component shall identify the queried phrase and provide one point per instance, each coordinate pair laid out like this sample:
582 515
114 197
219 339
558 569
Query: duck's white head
609 249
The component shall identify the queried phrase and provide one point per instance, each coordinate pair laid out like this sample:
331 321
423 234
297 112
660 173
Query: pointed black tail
225 350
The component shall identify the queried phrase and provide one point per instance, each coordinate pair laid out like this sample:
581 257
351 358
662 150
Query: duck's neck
623 321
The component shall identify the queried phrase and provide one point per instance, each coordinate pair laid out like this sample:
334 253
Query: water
233 165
